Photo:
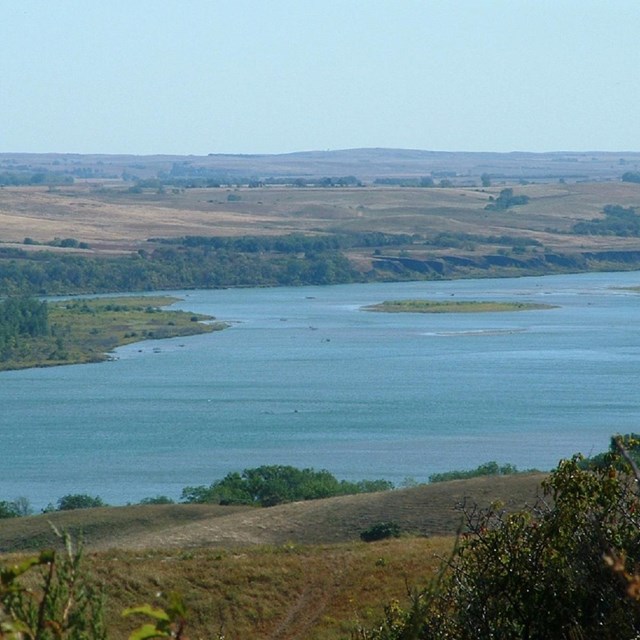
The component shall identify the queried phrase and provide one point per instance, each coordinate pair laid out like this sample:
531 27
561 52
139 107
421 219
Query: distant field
112 220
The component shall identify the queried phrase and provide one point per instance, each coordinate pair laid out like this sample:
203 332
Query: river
305 377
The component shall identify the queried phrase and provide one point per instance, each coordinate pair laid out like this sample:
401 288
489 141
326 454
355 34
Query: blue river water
305 377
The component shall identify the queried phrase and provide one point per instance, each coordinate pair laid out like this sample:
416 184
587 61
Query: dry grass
426 510
112 220
281 592
292 572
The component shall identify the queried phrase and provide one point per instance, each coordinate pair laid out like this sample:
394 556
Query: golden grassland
87 330
291 572
112 220
288 592
458 306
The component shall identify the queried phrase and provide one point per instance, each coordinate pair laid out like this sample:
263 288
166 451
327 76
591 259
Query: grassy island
450 306
86 330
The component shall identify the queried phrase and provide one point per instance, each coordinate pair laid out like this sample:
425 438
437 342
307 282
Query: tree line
193 262
617 221
22 317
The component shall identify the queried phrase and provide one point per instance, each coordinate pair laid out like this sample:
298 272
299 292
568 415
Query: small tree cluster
486 469
617 221
270 485
506 200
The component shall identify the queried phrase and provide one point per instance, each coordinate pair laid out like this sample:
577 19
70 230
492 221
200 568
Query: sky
278 76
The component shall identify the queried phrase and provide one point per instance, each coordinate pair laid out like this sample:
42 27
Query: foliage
630 444
157 500
167 622
64 605
457 306
79 501
8 510
22 178
538 573
618 221
167 267
506 200
21 318
270 485
86 330
631 176
487 469
193 261
380 531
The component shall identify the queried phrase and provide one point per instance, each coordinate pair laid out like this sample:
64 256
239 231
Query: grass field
111 220
292 572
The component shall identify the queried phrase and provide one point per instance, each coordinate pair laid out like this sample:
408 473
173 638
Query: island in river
87 330
451 306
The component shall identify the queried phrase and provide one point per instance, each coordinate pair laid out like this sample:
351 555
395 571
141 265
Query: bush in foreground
538 573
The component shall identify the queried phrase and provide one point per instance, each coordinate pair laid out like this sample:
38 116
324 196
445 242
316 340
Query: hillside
291 572
366 164
125 223
425 510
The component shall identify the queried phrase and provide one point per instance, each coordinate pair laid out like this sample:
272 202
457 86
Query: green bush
8 510
537 573
157 500
270 485
62 602
380 531
79 501
487 469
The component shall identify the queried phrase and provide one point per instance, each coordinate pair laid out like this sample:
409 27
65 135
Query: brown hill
425 510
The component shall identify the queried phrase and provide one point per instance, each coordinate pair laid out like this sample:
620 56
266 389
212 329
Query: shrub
540 572
79 501
8 510
270 485
62 603
487 469
380 531
157 500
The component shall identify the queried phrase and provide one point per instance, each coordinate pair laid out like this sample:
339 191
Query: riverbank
88 330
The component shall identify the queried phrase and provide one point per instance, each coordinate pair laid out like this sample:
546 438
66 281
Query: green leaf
147 631
148 610
9 574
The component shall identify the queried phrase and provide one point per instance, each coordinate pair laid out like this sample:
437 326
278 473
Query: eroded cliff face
457 266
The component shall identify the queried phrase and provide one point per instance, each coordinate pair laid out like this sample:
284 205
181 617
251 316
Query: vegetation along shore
37 333
458 306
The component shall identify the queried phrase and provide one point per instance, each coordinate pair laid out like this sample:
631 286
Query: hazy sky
273 76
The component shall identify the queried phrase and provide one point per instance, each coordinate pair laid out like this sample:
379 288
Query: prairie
111 220
299 571
294 571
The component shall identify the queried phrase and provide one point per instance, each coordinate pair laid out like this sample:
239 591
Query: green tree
631 176
8 510
79 501
270 485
